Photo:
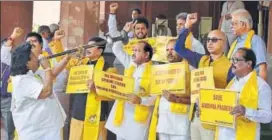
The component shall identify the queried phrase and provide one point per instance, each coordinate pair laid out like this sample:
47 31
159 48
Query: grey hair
182 16
244 16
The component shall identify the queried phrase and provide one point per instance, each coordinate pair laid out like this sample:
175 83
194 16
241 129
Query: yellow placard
216 105
168 77
113 86
158 44
78 78
201 78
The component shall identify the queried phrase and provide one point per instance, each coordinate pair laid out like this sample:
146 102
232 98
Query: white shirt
228 8
172 123
262 115
197 46
6 54
130 129
35 118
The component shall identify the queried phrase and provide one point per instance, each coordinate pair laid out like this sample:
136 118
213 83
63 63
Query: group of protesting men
37 113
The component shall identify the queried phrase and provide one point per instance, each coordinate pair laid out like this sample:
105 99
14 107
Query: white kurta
172 123
130 129
35 118
262 115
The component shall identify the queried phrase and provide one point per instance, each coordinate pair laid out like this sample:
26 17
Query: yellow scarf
177 107
246 45
246 129
93 111
188 41
220 72
56 47
174 107
141 111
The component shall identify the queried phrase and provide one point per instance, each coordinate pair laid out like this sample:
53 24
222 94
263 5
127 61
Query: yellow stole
220 73
176 108
56 47
246 45
93 110
141 111
188 41
246 129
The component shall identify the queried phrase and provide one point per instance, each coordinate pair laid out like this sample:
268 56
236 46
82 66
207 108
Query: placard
113 86
78 79
168 77
201 78
215 106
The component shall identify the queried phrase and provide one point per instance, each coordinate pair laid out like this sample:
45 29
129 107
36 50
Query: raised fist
59 34
113 7
190 20
17 32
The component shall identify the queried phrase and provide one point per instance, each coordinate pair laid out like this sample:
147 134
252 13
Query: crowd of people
32 110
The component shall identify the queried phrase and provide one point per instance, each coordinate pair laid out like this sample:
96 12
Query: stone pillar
80 21
269 40
16 14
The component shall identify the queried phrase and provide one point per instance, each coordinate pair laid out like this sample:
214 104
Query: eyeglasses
235 23
235 60
214 40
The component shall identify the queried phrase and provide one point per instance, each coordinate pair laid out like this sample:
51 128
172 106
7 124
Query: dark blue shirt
193 58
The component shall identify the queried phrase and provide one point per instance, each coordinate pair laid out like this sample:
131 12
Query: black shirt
79 102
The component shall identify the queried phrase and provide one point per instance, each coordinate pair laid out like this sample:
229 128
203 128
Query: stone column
80 21
269 40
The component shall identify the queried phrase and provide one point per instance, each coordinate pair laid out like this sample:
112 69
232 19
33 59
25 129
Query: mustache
232 66
170 55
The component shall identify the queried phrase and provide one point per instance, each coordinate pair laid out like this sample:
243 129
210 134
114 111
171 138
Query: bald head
216 42
219 34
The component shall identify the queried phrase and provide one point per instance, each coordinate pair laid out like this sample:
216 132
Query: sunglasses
214 40
235 60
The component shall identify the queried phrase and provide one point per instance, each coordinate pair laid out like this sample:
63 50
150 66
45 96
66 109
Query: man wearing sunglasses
221 68
254 99
241 26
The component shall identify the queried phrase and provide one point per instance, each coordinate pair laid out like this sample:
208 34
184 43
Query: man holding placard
88 111
172 109
219 63
254 104
130 120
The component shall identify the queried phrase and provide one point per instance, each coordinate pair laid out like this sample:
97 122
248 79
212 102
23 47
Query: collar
138 66
242 37
218 59
243 79
30 73
94 61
